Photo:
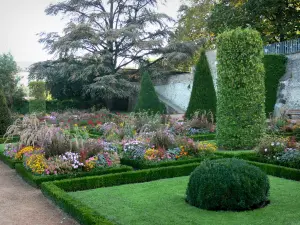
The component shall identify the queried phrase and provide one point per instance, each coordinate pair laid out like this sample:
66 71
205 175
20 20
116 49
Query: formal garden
222 161
94 136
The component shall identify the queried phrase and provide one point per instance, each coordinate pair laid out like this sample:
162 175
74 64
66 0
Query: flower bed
37 180
7 160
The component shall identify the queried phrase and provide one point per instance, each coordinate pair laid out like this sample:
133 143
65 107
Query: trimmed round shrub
227 184
5 116
203 97
241 89
148 100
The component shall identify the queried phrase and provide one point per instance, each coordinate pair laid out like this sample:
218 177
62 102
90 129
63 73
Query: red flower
90 122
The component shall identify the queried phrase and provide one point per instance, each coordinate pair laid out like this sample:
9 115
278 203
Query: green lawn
162 202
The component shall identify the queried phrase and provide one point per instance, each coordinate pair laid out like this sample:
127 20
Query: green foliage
203 97
275 67
37 106
36 180
140 164
278 171
8 71
203 137
37 90
148 100
241 90
227 184
276 20
5 116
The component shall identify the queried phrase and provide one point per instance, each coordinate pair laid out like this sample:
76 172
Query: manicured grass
2 147
162 202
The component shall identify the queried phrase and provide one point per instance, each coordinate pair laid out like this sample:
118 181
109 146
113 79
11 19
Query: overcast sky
21 20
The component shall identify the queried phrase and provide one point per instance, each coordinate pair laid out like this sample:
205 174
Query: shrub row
57 190
139 164
8 161
203 137
278 171
36 180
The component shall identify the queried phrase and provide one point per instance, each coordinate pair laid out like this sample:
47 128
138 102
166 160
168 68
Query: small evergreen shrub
241 89
148 100
203 97
5 116
227 184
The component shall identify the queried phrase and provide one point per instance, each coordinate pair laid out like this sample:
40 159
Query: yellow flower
27 149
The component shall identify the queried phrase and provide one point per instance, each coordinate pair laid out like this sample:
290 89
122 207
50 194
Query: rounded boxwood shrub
227 184
203 96
241 89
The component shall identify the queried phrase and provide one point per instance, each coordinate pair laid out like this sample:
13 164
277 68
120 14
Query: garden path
21 204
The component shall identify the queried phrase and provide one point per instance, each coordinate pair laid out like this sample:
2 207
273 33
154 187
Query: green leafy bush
5 116
203 97
227 184
148 100
241 90
275 67
37 106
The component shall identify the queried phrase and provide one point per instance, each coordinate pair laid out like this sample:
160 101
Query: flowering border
36 181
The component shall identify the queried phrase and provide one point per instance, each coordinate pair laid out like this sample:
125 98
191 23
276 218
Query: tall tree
109 35
8 71
5 116
192 25
276 20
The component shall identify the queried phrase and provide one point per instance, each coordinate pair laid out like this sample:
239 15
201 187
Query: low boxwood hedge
57 190
143 164
8 161
36 180
278 171
203 137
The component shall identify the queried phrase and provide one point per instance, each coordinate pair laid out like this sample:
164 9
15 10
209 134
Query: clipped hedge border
57 190
278 171
8 161
36 180
203 137
143 164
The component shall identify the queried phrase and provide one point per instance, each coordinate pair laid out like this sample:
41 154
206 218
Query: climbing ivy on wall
275 67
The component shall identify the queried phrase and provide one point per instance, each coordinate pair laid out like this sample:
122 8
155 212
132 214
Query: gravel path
21 204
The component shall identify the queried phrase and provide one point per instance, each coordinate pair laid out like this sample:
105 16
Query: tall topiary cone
203 97
241 89
148 100
5 117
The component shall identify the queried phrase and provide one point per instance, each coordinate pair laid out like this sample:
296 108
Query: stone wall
288 95
176 89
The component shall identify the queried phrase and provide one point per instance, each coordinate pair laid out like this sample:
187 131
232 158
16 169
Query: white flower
266 150
273 144
278 143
